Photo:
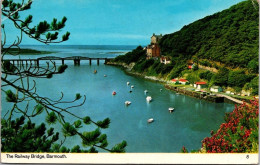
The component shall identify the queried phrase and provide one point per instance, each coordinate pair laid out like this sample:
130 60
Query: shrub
238 134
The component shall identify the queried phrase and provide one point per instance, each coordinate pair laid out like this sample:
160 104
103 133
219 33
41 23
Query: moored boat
150 120
171 109
145 91
113 93
148 98
127 83
132 86
127 102
95 71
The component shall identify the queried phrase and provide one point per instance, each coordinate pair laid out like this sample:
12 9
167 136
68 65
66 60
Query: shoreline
209 98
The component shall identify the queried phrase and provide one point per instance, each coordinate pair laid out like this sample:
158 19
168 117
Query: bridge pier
76 61
98 61
62 61
38 62
89 61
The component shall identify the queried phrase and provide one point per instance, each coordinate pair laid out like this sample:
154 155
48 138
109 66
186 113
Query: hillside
229 37
226 42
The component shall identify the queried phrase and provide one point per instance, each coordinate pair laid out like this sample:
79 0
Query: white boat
105 75
145 91
128 83
127 102
148 98
150 120
160 90
171 109
132 86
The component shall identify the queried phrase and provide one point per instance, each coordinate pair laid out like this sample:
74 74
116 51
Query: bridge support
89 61
38 62
98 61
62 61
76 61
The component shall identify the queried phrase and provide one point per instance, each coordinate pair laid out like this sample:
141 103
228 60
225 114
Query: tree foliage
229 37
19 86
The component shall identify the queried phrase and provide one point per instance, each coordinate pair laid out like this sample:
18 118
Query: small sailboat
127 83
95 71
132 86
171 109
145 91
150 120
113 93
148 98
105 75
127 102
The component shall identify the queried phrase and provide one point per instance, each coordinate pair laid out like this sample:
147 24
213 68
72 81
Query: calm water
192 120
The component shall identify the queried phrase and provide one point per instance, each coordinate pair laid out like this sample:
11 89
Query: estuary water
191 121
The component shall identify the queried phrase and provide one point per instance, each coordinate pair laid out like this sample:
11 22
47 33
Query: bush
176 71
206 75
254 85
134 56
221 77
237 78
238 134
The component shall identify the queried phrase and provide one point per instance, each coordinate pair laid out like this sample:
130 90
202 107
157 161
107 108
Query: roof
200 83
174 80
183 80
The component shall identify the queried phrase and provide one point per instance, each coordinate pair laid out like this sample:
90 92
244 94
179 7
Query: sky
118 22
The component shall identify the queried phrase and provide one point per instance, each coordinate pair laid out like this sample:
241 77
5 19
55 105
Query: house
190 64
175 81
183 81
165 60
216 89
153 49
200 85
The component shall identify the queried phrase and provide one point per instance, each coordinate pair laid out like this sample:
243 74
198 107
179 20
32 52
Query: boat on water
160 90
127 102
105 75
145 91
148 98
171 109
150 120
113 93
132 86
127 83
130 91
95 71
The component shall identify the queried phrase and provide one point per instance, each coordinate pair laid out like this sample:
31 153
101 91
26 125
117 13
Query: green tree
237 78
253 66
254 85
221 78
21 134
